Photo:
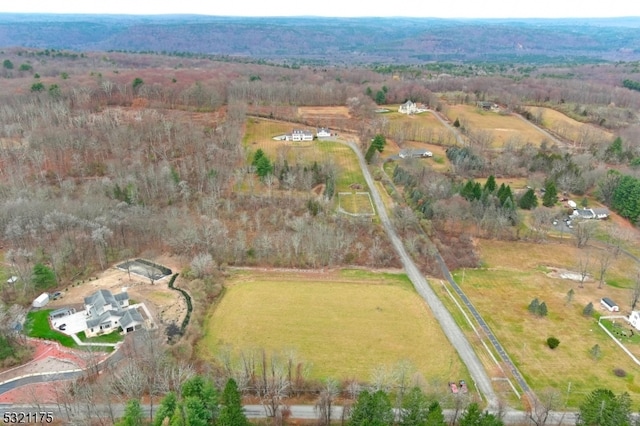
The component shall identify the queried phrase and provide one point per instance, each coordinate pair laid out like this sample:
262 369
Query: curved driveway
448 324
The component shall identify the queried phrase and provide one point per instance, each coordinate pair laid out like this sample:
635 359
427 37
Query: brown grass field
344 324
502 128
567 127
422 127
516 273
328 112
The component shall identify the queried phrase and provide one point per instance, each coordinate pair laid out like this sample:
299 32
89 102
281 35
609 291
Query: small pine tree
490 185
542 310
550 197
588 310
569 297
534 305
595 352
456 123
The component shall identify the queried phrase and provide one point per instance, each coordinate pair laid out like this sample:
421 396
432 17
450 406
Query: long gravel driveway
451 329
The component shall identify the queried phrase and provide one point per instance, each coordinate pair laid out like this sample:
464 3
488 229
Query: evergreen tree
379 141
43 277
490 185
417 411
133 415
381 98
231 413
372 409
542 310
550 197
603 408
528 201
533 306
257 156
264 167
456 123
167 409
588 310
474 417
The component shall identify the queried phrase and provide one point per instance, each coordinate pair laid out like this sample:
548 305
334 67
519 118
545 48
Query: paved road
78 413
442 315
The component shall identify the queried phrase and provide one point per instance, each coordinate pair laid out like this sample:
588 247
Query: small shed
41 300
609 304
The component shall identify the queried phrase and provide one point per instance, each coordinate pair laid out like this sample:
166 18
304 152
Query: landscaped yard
343 324
356 203
37 325
513 274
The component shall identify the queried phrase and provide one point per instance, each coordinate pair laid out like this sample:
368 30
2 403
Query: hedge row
187 317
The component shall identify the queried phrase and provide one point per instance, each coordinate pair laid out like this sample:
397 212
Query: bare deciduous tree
583 268
324 404
541 405
583 232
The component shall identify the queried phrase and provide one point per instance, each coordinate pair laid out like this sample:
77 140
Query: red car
453 387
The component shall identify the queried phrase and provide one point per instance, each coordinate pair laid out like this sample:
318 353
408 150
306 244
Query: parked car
453 387
463 386
56 295
62 327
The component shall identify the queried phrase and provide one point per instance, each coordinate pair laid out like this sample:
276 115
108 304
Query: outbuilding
609 304
41 300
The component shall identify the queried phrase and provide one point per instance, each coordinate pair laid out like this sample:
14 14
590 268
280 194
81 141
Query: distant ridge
333 40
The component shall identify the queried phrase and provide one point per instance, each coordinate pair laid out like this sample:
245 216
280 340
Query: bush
552 342
619 372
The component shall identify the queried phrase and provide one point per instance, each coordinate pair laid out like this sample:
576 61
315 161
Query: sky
338 8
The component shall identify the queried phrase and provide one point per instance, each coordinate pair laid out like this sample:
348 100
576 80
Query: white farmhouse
299 135
323 132
408 108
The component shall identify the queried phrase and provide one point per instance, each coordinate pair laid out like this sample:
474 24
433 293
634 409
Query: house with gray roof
107 312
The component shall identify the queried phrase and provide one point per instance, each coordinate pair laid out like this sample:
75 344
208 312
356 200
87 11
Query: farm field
344 324
512 276
259 135
568 128
502 129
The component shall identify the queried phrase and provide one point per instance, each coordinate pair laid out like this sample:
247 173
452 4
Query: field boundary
365 214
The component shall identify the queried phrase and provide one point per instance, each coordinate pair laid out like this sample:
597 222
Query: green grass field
343 323
516 273
356 203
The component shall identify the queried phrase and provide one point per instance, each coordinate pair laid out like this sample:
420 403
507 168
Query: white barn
41 300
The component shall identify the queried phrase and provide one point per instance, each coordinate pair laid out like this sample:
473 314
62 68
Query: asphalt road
442 315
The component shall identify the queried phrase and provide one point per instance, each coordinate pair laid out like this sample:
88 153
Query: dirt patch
318 190
566 274
356 186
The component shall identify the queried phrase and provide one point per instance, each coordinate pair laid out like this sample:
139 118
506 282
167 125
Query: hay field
422 127
327 112
503 129
342 323
569 128
516 273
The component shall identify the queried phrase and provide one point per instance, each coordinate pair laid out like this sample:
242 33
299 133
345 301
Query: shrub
533 306
619 372
552 342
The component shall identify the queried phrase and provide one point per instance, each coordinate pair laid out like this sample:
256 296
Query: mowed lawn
516 273
344 324
503 129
